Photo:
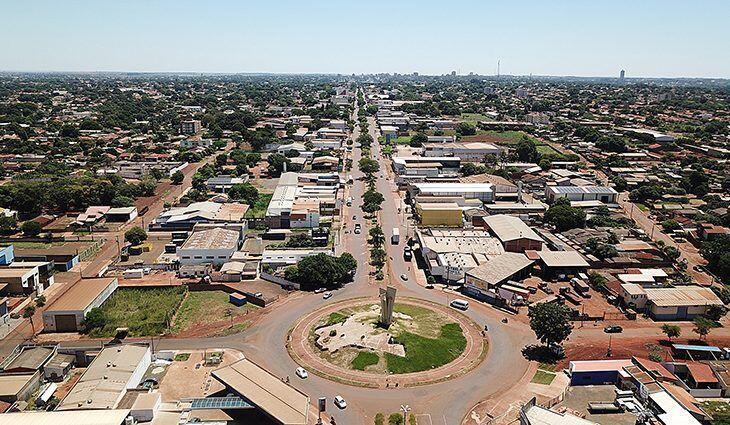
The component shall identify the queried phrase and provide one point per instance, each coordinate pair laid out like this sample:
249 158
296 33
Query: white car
327 295
319 290
302 373
340 402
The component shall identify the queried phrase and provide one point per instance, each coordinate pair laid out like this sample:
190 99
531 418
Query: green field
335 318
473 118
719 410
364 359
259 207
206 307
427 353
546 149
144 311
543 377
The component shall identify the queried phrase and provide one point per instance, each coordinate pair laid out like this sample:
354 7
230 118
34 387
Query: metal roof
696 348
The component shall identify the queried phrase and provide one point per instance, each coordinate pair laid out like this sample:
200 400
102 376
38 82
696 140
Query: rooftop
562 259
11 385
85 417
509 228
81 294
682 296
216 238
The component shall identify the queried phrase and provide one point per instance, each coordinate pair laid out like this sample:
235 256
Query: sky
647 38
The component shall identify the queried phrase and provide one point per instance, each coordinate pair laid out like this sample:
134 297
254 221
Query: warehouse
34 417
607 195
596 372
482 191
114 370
446 214
210 246
18 387
67 313
559 264
515 235
498 270
677 303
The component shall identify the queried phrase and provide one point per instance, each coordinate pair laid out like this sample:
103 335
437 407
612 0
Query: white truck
395 238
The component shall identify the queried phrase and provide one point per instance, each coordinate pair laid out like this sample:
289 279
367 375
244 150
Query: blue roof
696 348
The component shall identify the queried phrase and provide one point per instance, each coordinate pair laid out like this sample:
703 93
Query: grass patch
547 150
543 377
719 410
144 311
364 359
335 318
206 307
547 367
182 357
258 209
427 353
36 245
473 118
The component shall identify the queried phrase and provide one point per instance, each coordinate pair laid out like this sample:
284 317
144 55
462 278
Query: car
340 402
319 290
357 230
327 295
429 286
302 373
614 329
404 277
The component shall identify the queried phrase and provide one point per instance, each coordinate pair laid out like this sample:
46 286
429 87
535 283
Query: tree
377 237
368 165
717 254
716 312
28 313
40 301
8 225
671 331
564 217
527 150
465 129
703 326
31 228
136 235
322 270
417 140
276 164
95 318
246 192
177 177
550 322
395 419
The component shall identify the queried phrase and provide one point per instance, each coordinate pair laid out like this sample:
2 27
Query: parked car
460 304
404 277
613 329
340 402
327 295
302 373
319 290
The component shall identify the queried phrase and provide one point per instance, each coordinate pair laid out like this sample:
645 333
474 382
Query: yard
258 209
204 307
144 311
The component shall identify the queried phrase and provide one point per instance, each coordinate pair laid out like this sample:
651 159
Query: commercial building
224 183
279 401
559 264
114 370
515 235
35 417
18 387
673 303
607 195
467 151
288 257
481 191
300 200
533 414
499 270
63 257
67 313
210 246
596 372
434 214
20 281
121 214
416 169
184 218
190 127
450 253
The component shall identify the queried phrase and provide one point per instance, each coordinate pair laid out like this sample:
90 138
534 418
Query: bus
395 239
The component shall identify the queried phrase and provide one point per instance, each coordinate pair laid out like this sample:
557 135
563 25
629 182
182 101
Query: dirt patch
196 376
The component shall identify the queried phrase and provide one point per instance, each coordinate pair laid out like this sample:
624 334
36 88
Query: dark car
615 329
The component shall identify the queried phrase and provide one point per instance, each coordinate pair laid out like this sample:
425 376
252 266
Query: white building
210 246
467 151
482 191
607 195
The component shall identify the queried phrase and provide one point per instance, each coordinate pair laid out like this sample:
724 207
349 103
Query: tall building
190 127
622 76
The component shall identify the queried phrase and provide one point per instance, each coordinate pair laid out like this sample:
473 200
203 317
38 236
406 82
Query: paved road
446 402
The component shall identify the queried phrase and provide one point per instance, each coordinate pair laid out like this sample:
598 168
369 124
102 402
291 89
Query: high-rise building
190 127
622 76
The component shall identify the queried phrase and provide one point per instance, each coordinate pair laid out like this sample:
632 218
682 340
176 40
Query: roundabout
426 343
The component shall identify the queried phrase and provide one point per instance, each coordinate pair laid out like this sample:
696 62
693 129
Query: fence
286 284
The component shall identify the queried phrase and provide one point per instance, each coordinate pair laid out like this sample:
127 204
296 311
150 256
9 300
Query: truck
395 238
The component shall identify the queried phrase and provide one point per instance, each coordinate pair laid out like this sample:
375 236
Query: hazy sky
543 37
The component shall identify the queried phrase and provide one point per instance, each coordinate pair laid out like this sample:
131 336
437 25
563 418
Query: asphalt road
446 402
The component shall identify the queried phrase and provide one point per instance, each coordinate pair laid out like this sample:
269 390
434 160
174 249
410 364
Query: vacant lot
144 311
473 118
258 209
201 308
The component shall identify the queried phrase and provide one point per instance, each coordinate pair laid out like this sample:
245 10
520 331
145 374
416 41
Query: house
327 163
606 195
224 183
18 387
121 214
20 281
210 246
107 379
67 312
515 235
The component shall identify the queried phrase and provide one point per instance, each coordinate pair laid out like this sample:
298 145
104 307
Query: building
20 281
190 127
446 214
195 142
28 359
18 387
278 401
107 379
450 253
210 246
78 417
63 257
533 414
7 255
607 195
121 214
515 235
673 303
300 200
498 270
224 183
288 257
596 372
185 218
467 151
481 191
67 313
559 264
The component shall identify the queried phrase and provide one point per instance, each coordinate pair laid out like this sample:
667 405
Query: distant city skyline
563 38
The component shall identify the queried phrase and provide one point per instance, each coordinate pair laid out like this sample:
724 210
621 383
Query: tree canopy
550 322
